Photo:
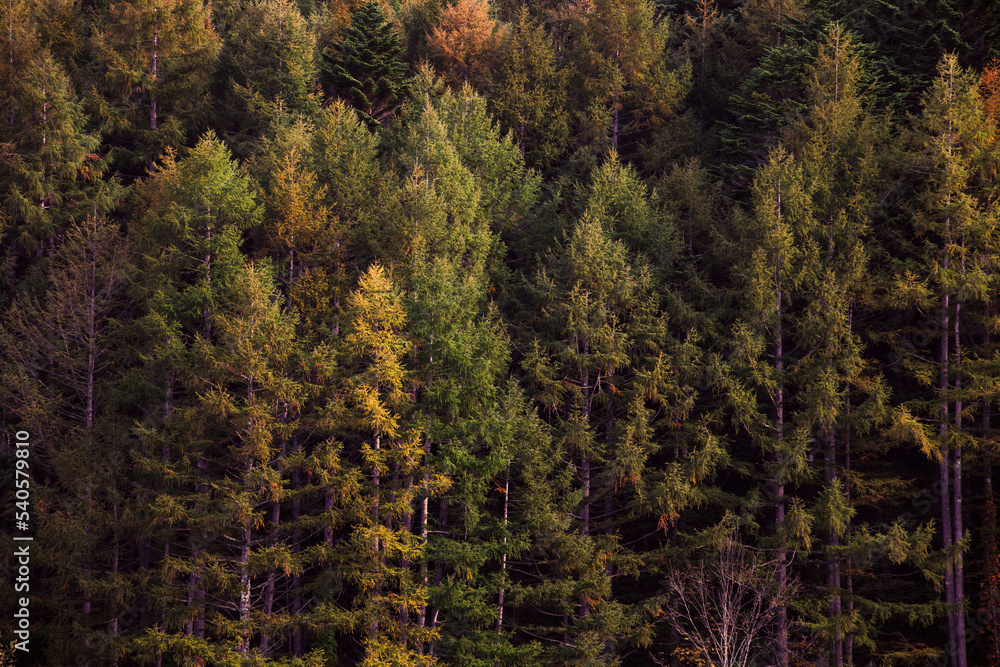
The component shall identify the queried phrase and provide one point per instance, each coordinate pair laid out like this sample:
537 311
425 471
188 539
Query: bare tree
726 605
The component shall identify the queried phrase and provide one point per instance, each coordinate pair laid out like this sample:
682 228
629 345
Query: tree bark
959 586
944 473
503 555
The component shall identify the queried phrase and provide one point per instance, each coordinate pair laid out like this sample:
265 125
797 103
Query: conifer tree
187 234
947 273
771 272
377 401
607 376
51 172
267 67
59 381
154 62
18 41
529 92
366 66
621 72
838 154
345 157
463 182
465 42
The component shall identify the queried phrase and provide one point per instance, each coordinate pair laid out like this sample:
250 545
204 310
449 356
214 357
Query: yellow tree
374 403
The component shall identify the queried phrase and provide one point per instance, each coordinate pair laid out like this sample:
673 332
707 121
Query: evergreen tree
529 92
606 374
59 382
948 273
621 72
376 402
780 223
268 67
187 233
51 172
366 66
463 182
840 162
154 60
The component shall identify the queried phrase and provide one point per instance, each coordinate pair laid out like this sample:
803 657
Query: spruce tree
620 72
840 146
947 272
187 233
612 382
463 182
52 174
267 68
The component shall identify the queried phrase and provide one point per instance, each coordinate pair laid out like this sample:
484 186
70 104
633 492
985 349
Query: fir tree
58 380
376 400
268 67
947 273
621 73
52 174
366 66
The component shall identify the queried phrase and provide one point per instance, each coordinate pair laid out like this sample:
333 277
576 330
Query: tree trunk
152 93
944 473
991 594
849 638
781 615
296 541
503 554
244 604
271 578
422 612
376 555
833 564
956 505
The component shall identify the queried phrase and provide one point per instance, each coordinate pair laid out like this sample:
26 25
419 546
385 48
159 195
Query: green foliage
366 66
153 62
529 92
466 369
267 67
51 171
623 80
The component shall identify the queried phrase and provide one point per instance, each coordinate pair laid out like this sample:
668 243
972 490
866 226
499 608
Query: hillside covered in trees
475 333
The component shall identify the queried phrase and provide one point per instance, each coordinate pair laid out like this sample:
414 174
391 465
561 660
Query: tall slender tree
154 60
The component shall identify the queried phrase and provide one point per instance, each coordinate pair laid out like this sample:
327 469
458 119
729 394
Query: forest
472 333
